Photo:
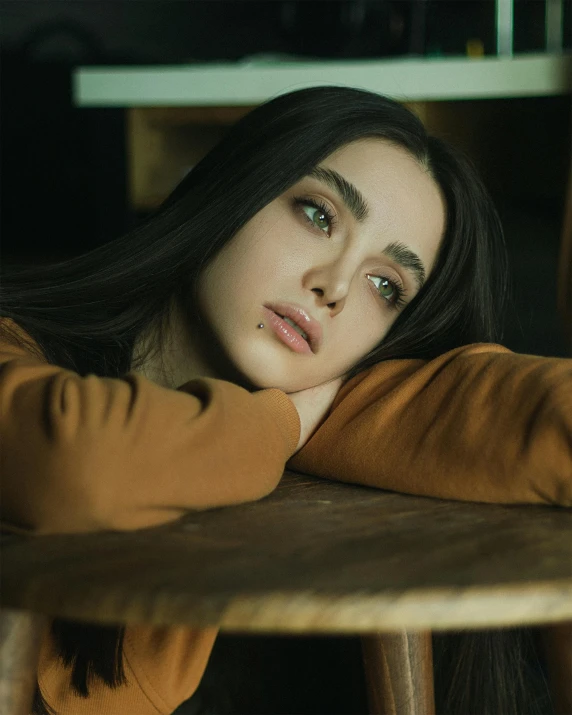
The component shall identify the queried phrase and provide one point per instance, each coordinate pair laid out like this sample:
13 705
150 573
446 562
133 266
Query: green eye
317 217
385 287
388 290
391 291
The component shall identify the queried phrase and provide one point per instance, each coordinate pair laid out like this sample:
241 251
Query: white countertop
256 81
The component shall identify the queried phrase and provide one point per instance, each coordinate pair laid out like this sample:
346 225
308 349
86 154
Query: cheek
362 329
246 271
271 265
369 339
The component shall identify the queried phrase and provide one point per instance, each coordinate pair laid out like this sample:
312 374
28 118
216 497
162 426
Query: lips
303 320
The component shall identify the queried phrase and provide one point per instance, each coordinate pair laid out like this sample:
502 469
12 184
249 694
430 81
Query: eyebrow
407 259
348 193
358 207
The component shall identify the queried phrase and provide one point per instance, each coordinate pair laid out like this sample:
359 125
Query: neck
190 350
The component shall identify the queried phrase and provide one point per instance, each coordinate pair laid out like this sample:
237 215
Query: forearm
478 424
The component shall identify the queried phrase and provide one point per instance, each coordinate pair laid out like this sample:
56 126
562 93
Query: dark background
64 192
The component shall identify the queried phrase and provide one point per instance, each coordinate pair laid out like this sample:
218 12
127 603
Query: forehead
379 158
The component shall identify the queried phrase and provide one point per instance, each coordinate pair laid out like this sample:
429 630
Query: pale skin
336 270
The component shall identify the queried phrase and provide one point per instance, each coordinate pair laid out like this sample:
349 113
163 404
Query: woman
319 273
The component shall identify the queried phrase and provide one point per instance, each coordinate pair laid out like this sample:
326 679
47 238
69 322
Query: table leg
399 673
20 638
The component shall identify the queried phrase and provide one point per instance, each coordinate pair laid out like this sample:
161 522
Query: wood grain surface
399 673
315 556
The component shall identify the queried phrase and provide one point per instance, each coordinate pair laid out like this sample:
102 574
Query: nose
331 281
335 306
331 290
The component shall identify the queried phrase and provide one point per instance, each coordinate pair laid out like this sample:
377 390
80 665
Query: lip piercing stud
261 325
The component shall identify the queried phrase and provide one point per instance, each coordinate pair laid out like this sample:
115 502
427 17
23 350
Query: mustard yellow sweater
479 423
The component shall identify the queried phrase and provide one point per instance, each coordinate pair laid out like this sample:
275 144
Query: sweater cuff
286 414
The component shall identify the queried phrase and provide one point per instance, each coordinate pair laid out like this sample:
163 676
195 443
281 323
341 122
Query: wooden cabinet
496 108
519 145
164 143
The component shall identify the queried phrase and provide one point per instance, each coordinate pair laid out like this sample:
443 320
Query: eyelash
396 303
319 206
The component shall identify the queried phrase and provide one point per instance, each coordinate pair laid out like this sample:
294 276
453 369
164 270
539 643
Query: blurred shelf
251 83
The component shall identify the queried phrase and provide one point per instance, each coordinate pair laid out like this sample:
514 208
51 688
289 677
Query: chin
260 364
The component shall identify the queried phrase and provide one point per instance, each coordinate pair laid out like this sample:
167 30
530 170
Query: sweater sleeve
479 423
163 667
89 453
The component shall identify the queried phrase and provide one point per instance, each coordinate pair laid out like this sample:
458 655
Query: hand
313 405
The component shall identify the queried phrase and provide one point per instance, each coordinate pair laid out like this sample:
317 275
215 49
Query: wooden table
314 557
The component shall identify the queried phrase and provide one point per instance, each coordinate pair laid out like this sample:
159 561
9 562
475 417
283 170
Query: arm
89 453
479 423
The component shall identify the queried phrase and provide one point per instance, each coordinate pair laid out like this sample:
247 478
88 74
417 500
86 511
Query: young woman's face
349 259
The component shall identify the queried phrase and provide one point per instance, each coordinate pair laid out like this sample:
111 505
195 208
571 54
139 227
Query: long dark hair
87 313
